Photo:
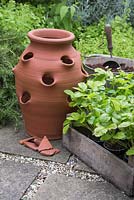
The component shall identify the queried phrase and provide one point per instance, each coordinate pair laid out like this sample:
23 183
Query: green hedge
15 21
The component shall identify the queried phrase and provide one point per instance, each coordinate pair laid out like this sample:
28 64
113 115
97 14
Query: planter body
102 59
47 67
105 163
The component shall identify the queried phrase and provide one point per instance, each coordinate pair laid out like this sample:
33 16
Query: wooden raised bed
102 161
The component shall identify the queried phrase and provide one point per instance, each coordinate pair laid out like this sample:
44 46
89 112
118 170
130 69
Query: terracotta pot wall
47 67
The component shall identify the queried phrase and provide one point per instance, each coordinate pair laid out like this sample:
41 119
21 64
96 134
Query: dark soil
113 146
114 66
116 149
89 134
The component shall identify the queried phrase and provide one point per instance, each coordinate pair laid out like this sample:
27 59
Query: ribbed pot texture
47 67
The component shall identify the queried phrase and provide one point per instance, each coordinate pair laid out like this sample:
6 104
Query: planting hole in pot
111 64
48 80
68 99
27 56
25 97
84 72
67 61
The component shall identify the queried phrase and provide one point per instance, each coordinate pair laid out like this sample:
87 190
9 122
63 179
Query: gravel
48 168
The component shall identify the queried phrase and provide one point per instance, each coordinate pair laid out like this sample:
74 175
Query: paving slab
60 187
9 143
15 178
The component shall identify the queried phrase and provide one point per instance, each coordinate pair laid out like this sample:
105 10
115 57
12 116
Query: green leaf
65 128
109 109
116 104
63 11
84 104
73 104
96 85
91 120
110 74
106 137
75 116
83 86
72 11
116 116
78 94
99 131
100 71
121 97
66 22
124 124
111 126
114 120
119 136
104 117
66 122
130 152
69 92
111 91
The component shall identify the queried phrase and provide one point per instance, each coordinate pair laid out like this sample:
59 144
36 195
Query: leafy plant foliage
105 105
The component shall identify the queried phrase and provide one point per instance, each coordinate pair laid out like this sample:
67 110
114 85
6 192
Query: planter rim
93 59
106 56
51 36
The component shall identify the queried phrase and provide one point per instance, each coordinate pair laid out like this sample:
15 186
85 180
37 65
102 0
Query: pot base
50 137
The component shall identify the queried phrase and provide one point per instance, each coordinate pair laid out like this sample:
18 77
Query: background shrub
15 21
91 11
93 40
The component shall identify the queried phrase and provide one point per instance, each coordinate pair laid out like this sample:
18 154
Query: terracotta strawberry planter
47 67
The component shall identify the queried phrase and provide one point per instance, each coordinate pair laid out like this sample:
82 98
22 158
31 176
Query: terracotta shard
45 144
57 151
26 140
37 141
31 145
50 152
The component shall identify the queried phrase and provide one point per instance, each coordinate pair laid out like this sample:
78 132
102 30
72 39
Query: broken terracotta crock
47 67
43 146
